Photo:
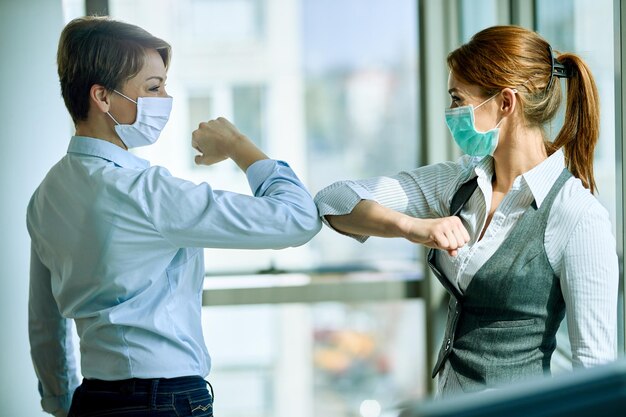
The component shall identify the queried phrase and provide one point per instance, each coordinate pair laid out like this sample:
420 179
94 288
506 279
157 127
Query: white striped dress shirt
578 240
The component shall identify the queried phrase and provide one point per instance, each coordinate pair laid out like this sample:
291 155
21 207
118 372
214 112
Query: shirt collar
484 168
106 150
541 178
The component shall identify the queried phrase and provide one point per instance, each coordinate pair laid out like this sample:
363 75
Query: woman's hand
218 139
446 233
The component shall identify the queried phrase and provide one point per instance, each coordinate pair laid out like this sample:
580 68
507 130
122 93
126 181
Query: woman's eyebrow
161 79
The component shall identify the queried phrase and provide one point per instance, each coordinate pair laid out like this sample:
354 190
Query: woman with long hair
517 236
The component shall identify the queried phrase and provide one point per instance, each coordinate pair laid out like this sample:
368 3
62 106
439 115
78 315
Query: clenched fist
447 233
219 139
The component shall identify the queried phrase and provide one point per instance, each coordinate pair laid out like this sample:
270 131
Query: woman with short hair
117 244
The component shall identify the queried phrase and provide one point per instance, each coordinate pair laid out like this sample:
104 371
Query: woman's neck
97 128
521 150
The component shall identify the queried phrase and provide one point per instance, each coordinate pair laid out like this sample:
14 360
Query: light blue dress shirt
117 246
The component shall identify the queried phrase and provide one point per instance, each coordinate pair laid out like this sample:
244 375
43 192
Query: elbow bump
314 228
305 227
307 231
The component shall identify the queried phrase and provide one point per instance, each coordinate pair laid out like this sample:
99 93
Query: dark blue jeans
160 397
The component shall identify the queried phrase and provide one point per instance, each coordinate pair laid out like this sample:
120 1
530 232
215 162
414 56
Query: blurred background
340 89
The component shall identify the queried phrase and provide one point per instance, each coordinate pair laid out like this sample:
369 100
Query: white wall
34 131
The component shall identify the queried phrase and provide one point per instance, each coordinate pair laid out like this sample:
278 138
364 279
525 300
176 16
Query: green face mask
460 121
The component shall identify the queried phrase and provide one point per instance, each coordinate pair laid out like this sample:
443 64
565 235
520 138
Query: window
321 359
308 81
330 87
360 77
476 15
585 27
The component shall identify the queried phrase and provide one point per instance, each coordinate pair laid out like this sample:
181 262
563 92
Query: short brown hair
98 50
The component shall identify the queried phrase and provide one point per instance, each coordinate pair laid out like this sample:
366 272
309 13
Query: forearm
394 207
245 153
369 218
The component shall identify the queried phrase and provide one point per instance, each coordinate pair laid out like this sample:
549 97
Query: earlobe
99 97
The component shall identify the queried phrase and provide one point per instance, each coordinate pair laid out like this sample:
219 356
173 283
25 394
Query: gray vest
503 328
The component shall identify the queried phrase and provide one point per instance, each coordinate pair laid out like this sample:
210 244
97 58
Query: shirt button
448 342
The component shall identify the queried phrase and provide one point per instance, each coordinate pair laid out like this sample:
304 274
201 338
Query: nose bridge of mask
154 106
462 117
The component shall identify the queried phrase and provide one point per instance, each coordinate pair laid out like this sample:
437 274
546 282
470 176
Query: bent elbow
301 226
308 230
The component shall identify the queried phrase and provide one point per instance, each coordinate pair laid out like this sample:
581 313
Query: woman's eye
155 89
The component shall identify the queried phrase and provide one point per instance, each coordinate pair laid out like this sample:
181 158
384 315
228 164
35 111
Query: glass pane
585 27
330 87
235 20
476 15
327 85
360 72
326 359
248 107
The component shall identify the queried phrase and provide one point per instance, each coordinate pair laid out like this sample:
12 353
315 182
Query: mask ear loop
116 122
492 97
489 99
127 98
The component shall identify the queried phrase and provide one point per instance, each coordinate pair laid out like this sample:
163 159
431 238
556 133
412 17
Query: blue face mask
460 121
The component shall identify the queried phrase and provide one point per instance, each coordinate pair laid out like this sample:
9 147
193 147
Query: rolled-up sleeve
279 214
51 343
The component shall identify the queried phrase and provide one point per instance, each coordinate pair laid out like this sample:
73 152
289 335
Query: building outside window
330 86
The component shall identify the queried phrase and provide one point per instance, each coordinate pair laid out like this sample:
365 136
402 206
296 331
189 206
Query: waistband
152 385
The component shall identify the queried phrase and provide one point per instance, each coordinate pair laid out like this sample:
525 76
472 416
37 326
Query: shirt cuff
339 199
260 171
57 405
